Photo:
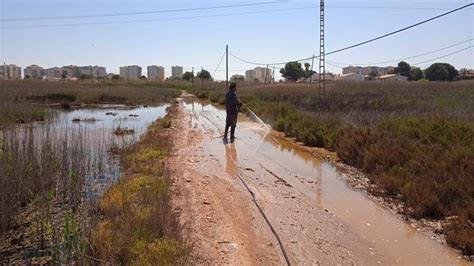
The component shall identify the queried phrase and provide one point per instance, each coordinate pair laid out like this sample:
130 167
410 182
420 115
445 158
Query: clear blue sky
264 37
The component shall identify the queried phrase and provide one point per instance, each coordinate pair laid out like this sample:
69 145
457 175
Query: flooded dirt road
318 217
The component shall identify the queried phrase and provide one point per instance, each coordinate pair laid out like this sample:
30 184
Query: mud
318 216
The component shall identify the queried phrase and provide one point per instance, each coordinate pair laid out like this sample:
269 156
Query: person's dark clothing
232 107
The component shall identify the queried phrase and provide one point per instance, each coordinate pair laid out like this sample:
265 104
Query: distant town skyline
283 31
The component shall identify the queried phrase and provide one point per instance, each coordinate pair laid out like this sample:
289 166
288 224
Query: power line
141 12
400 30
219 64
209 8
159 19
364 42
271 64
387 7
420 63
446 55
406 58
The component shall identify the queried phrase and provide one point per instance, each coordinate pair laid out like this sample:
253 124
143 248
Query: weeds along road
317 217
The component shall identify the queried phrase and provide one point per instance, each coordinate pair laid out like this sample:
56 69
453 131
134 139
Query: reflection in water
94 138
231 159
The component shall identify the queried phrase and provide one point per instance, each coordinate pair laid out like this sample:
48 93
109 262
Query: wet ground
84 139
93 130
318 217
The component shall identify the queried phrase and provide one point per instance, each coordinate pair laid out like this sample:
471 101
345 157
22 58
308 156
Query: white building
130 72
54 72
34 72
156 73
392 77
96 71
250 75
259 74
351 77
10 72
367 70
327 76
176 72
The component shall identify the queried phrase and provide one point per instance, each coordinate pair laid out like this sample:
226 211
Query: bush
60 97
459 234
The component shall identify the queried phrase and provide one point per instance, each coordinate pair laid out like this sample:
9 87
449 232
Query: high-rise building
53 72
250 75
258 74
130 72
156 73
10 71
34 72
176 72
95 71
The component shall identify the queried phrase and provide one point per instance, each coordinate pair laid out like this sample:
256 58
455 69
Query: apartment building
258 74
176 72
95 71
34 72
130 72
10 72
156 73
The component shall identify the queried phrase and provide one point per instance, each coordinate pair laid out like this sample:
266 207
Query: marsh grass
79 92
138 225
41 173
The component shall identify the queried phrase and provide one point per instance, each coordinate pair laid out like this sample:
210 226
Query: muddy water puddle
388 239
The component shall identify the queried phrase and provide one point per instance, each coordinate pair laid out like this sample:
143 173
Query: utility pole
92 76
227 66
273 75
202 80
311 77
322 62
266 75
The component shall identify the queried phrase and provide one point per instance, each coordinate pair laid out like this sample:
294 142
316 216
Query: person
232 107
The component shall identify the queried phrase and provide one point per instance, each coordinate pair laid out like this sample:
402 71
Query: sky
278 31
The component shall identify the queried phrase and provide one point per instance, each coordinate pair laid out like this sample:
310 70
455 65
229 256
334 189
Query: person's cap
233 84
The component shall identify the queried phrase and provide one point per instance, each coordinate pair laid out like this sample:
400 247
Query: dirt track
303 205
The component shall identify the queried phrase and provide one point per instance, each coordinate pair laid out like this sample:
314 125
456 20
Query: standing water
386 238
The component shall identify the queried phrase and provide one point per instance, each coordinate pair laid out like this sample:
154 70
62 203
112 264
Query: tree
441 72
292 71
307 71
115 77
64 74
142 77
188 75
404 69
374 73
416 74
204 74
237 78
